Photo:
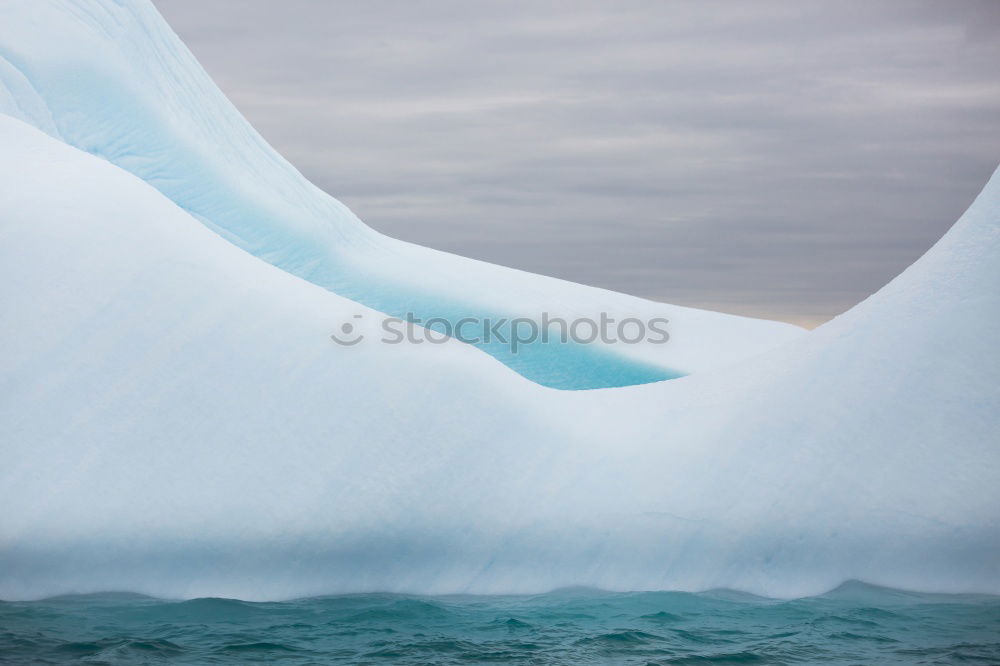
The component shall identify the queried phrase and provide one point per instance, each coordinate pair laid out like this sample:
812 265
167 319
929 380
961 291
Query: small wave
625 637
206 609
723 658
257 647
514 623
663 617
848 636
408 609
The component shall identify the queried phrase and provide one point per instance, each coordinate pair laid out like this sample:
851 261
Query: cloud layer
778 159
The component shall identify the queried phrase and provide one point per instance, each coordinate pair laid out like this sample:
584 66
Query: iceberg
176 421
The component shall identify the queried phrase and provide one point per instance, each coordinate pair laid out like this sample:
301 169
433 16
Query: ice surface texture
174 419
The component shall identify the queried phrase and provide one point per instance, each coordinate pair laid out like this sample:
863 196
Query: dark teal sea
854 624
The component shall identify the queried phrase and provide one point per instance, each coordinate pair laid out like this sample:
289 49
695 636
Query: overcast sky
775 159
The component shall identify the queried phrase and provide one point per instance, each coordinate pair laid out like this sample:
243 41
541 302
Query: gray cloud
776 159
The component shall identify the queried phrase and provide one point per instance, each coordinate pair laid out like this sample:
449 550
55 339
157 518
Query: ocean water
854 624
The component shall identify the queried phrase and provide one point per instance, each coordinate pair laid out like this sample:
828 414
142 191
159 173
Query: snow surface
175 420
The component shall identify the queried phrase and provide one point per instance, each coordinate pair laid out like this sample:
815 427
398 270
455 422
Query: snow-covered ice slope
112 79
175 420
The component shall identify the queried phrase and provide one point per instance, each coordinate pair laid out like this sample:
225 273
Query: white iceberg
175 420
